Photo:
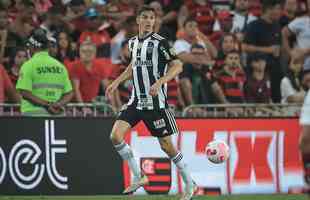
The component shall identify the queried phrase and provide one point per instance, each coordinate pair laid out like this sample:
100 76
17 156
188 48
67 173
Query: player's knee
115 138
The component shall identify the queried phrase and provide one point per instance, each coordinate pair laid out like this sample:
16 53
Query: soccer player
305 134
43 82
150 56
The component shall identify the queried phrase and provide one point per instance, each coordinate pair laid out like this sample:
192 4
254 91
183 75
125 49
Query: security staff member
43 83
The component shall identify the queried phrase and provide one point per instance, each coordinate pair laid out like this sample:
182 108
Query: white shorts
305 111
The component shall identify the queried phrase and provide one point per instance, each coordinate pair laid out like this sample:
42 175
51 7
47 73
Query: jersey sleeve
24 81
166 52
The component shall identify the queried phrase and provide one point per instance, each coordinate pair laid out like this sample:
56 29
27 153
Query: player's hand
110 89
155 88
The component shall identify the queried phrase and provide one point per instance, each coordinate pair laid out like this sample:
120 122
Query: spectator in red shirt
231 78
16 61
257 87
89 72
95 34
7 90
201 11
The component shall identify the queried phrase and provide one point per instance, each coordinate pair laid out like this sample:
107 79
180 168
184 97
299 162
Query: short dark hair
145 8
268 4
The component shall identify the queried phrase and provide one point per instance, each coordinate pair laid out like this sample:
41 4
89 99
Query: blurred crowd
234 51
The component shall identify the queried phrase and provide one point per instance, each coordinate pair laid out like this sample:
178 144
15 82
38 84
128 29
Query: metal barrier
72 110
242 110
204 110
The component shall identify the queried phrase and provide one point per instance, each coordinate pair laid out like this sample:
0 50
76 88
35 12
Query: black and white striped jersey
149 58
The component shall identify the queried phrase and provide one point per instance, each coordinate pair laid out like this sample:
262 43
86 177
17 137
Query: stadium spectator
3 33
16 61
257 85
191 36
42 6
264 35
242 17
291 88
255 7
222 26
231 78
88 73
52 21
160 27
7 90
117 12
301 29
289 13
99 36
191 78
23 9
66 49
170 9
227 44
128 30
43 83
75 18
201 11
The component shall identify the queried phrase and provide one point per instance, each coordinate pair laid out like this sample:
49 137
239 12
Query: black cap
38 39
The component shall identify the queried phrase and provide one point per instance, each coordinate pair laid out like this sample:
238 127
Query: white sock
181 165
126 153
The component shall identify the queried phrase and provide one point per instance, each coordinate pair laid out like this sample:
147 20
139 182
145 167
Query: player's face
146 21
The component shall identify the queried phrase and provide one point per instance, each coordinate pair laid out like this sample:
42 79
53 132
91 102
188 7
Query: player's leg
162 125
176 157
305 137
126 120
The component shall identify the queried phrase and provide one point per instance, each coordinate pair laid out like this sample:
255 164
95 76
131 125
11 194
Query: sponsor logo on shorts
159 123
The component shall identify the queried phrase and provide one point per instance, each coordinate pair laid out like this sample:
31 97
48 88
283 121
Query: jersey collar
41 53
145 37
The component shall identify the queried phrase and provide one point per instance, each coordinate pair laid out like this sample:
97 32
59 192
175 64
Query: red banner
264 154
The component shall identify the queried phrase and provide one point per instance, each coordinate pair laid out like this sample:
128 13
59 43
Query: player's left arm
175 66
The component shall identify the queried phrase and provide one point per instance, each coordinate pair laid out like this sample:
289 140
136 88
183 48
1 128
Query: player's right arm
124 76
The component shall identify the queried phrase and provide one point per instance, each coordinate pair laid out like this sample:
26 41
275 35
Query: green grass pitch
233 197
